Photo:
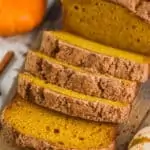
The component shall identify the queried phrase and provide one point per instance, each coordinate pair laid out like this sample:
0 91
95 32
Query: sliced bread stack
123 24
72 93
65 83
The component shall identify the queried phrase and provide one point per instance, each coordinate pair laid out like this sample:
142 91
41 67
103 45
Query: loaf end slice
70 102
94 57
30 126
105 24
79 80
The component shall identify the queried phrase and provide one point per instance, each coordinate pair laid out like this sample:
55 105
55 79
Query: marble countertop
20 45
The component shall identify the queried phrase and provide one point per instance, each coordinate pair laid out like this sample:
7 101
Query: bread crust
96 111
93 62
94 85
140 8
129 4
26 141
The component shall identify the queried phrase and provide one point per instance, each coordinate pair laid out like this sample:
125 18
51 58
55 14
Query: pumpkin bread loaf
76 79
94 57
31 126
71 103
107 22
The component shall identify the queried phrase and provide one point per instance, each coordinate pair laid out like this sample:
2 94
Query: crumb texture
38 128
72 103
104 22
95 62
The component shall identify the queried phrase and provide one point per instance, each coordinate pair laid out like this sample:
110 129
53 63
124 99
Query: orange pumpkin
19 16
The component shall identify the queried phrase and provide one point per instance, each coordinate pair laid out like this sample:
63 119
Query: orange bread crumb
38 128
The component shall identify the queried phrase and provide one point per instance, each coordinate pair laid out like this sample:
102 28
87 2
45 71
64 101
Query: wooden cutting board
139 118
5 145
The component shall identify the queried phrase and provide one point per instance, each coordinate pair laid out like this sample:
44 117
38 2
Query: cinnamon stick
6 60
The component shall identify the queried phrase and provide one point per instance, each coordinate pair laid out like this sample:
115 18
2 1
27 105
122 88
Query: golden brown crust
96 111
83 82
93 62
26 141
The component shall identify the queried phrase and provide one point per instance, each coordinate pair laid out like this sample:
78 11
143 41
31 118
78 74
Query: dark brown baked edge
86 83
93 62
25 141
95 111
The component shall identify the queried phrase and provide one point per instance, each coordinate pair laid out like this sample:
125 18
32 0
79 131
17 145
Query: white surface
19 45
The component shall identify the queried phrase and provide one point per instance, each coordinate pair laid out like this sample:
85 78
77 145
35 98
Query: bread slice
95 57
110 23
77 79
70 102
31 126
